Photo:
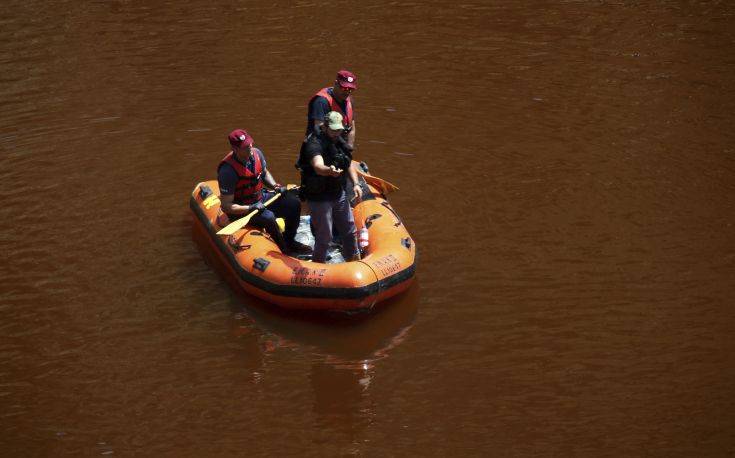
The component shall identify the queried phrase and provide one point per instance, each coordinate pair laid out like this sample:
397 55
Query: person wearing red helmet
336 98
242 176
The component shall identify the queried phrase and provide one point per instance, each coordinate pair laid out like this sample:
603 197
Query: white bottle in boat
363 239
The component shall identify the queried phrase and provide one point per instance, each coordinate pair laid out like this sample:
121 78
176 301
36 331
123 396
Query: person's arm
351 136
317 163
355 180
268 180
317 110
267 177
231 208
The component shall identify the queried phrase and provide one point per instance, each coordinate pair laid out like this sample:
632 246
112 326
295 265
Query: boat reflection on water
344 351
345 340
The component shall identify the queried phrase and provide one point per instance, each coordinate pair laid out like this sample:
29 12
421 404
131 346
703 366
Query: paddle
242 222
384 186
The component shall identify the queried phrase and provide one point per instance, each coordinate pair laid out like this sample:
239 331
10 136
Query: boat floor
304 235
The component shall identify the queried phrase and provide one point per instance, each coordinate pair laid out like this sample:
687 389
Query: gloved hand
280 189
258 206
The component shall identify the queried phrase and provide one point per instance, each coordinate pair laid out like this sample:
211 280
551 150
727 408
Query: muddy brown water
567 170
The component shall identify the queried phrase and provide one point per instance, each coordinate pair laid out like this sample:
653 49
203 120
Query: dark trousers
287 207
326 214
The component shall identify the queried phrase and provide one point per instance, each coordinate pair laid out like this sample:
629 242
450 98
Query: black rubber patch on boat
406 242
261 264
205 191
398 218
235 244
369 220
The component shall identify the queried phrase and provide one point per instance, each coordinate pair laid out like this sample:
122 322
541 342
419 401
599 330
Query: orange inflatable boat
252 261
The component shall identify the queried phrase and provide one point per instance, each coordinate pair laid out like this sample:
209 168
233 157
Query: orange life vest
249 184
334 106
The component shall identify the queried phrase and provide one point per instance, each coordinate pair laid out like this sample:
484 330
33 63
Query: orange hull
253 262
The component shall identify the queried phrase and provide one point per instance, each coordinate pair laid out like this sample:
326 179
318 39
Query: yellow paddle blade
242 222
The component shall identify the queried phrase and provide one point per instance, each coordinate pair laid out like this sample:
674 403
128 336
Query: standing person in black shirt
324 161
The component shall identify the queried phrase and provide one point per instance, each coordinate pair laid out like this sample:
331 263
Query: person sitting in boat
241 176
324 162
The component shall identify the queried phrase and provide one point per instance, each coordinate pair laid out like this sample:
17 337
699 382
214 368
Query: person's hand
257 206
280 189
358 191
334 171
